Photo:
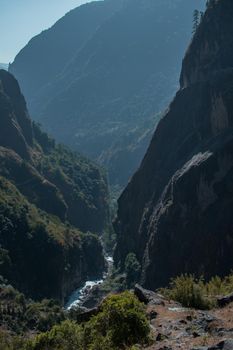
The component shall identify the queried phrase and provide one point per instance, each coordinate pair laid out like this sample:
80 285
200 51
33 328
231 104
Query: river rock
94 297
83 314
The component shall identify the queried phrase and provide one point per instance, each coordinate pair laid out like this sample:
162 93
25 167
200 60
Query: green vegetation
120 324
30 238
19 315
48 197
83 185
109 239
132 269
197 293
197 18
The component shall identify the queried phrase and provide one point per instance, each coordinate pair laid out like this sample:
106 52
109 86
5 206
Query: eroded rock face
16 128
175 214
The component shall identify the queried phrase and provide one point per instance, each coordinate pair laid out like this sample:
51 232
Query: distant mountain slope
99 77
4 66
48 53
44 188
176 213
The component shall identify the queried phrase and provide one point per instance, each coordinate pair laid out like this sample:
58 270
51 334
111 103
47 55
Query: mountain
4 66
98 79
176 212
49 196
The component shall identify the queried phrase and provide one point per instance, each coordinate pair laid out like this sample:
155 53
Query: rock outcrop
16 128
175 214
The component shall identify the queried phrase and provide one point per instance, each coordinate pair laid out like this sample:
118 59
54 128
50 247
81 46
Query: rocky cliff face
175 214
43 185
16 128
98 79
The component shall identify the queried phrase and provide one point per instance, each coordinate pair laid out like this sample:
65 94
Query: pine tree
196 20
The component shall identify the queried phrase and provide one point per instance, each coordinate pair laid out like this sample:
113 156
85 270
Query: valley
117 234
100 78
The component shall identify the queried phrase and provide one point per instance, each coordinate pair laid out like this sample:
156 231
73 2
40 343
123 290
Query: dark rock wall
176 211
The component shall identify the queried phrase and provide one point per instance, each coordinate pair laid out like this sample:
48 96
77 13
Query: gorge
98 80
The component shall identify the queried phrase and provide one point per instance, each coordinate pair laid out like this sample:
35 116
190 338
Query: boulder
84 315
225 300
148 296
223 345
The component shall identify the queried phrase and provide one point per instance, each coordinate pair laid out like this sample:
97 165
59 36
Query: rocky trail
175 327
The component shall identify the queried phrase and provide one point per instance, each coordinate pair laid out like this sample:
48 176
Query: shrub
66 336
189 291
120 324
220 286
122 320
197 293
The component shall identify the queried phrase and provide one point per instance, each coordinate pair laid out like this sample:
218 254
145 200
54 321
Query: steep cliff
98 79
44 189
175 214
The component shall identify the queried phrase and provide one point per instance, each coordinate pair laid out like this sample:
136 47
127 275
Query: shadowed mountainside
175 214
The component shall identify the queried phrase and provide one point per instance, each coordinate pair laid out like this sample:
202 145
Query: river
78 296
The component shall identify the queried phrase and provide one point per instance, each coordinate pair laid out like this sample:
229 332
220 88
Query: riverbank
81 296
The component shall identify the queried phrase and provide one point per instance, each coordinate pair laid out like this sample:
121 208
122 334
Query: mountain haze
4 66
98 79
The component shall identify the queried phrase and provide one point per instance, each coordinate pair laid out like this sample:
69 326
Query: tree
132 269
196 20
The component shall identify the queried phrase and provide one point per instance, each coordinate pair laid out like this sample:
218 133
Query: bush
196 293
220 286
120 324
188 291
122 320
66 336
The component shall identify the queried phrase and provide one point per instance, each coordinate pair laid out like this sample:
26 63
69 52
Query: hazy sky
20 20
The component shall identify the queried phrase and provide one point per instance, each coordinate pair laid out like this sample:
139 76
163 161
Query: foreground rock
83 314
223 301
223 345
147 296
176 328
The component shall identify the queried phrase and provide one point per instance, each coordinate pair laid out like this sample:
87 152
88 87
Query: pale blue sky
20 20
